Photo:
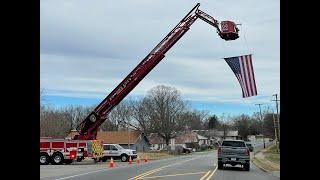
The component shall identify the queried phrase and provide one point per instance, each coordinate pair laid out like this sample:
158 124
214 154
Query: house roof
154 138
186 138
228 133
119 137
201 137
190 137
215 133
115 137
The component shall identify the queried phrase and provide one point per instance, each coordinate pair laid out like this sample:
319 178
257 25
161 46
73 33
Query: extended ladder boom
89 126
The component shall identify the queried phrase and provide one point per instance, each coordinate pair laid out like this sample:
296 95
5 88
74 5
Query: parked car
249 145
234 152
117 152
187 150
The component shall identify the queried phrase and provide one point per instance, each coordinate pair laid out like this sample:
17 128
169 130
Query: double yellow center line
146 174
156 170
208 175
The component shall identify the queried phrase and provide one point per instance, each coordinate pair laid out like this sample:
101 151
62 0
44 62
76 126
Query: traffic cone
138 160
130 160
111 163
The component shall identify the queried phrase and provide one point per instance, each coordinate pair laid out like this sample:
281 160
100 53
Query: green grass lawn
272 155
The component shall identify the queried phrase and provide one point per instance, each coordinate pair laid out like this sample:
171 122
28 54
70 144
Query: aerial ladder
89 126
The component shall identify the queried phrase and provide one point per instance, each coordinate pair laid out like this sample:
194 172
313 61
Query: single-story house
215 136
157 143
203 140
127 139
262 137
185 139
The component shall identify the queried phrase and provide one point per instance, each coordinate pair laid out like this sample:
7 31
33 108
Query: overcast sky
88 47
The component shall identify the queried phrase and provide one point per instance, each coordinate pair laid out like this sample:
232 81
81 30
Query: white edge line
67 177
81 174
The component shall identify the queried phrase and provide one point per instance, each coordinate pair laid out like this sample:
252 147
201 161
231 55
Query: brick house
185 139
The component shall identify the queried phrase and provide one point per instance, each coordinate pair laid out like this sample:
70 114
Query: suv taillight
219 150
248 152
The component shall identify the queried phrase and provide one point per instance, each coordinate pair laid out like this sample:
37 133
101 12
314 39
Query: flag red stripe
253 78
249 75
242 82
253 88
241 85
244 75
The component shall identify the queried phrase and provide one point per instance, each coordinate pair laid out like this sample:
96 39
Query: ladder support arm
89 126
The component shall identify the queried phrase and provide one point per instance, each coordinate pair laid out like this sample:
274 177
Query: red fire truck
59 151
84 144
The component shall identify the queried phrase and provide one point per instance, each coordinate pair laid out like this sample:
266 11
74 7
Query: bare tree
165 106
192 120
212 122
42 106
120 117
224 125
76 114
241 123
140 115
268 125
54 123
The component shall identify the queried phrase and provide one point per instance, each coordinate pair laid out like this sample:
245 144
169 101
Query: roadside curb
260 167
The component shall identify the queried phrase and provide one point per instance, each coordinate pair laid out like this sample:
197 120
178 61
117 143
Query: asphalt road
200 166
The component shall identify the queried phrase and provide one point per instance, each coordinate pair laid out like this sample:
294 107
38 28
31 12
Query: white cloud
88 47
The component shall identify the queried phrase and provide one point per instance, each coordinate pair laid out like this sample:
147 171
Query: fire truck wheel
79 159
44 158
57 158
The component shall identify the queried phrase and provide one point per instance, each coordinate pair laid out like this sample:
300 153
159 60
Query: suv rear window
233 143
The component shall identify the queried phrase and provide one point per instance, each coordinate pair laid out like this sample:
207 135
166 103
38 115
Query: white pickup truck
117 152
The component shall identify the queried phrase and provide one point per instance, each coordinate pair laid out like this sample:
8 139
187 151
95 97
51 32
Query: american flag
243 69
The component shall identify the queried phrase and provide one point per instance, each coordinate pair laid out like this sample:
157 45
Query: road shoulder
263 163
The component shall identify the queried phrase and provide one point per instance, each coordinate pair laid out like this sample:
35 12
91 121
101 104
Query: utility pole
128 130
275 131
278 124
264 143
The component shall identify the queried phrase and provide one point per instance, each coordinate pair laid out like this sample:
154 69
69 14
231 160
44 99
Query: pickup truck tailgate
225 150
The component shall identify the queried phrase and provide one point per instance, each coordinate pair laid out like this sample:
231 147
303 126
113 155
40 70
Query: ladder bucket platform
229 30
